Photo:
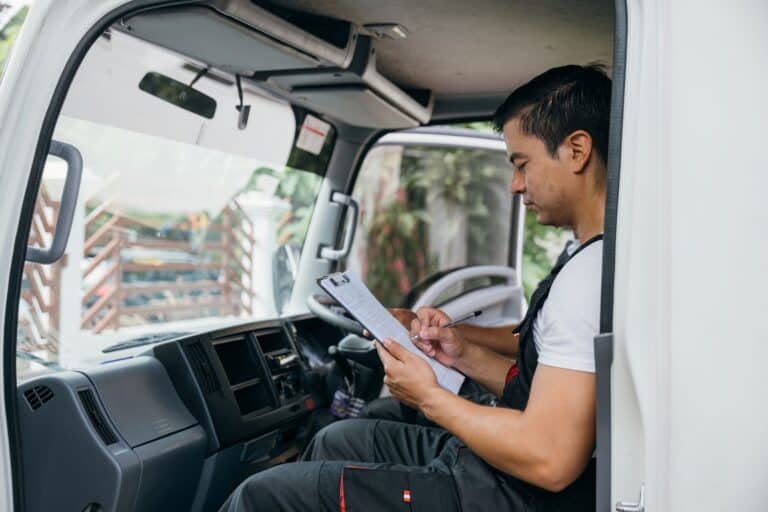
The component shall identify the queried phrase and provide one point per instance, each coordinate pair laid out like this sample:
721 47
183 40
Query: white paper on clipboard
355 297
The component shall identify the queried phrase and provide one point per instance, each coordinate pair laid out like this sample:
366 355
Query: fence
135 279
41 291
216 280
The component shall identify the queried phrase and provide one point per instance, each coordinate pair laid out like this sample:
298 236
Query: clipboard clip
338 279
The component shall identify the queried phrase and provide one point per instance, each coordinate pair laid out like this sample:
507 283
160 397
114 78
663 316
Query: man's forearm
497 435
548 444
484 366
499 339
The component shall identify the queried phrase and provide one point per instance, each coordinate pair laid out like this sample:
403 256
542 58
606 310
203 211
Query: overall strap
515 394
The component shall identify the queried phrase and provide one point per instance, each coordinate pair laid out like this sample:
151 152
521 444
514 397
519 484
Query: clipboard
355 297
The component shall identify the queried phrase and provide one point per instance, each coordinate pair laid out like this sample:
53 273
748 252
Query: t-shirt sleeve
570 318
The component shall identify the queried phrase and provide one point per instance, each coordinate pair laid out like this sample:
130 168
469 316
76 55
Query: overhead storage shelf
338 79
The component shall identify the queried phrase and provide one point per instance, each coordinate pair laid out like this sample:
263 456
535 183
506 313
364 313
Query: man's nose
517 184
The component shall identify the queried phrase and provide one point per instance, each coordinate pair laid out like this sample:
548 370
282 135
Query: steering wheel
329 311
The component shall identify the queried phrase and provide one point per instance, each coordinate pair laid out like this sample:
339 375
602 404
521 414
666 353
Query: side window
427 209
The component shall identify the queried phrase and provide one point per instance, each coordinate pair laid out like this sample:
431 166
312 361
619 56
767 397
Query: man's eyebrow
514 156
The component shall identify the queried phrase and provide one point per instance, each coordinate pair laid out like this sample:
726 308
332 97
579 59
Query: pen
453 323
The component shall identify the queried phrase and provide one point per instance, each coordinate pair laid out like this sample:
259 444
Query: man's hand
445 345
404 316
409 378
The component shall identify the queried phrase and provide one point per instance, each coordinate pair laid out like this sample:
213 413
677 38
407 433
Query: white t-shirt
565 328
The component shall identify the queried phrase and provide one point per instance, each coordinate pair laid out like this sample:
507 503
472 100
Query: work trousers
375 465
391 410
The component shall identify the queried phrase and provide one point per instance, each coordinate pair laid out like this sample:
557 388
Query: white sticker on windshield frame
312 135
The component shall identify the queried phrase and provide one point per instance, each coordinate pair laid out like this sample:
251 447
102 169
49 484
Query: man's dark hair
561 101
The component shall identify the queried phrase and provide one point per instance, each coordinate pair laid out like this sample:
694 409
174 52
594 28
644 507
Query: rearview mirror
179 94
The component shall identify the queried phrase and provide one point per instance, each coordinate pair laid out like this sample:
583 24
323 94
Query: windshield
183 222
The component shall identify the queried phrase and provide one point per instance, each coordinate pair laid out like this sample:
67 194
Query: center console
246 387
240 383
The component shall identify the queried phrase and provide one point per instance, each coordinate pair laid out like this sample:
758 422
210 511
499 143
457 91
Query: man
533 451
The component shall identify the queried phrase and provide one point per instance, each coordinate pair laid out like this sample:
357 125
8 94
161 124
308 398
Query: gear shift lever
341 362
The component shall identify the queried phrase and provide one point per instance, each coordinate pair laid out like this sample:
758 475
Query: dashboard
176 427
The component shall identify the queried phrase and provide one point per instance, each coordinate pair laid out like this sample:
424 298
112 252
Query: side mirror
178 94
74 161
285 262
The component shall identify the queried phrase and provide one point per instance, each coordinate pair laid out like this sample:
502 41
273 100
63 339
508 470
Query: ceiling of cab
459 60
476 47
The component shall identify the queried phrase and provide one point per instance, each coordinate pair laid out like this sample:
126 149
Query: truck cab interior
210 160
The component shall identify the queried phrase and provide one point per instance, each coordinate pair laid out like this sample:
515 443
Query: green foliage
299 189
470 182
475 182
397 232
478 126
465 178
540 248
8 35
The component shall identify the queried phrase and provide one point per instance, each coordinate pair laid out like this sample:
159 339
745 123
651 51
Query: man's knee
294 487
382 409
268 490
343 440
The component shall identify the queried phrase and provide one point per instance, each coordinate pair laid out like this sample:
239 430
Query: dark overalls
377 465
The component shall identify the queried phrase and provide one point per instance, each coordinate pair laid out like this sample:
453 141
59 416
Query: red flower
419 261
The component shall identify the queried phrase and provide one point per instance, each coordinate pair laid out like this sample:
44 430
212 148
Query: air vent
96 417
201 365
37 396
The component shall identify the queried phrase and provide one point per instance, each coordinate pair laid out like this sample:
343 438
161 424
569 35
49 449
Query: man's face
541 179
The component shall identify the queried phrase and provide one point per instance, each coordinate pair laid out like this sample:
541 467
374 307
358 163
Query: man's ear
577 150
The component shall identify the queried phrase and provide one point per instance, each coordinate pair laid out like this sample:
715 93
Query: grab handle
71 155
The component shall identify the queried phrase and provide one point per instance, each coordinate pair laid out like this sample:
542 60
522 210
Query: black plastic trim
604 341
516 229
603 362
614 163
37 396
96 416
25 221
201 367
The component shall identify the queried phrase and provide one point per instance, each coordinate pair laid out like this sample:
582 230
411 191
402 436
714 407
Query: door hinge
626 506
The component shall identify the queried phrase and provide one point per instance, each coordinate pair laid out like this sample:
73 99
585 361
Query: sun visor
356 105
337 78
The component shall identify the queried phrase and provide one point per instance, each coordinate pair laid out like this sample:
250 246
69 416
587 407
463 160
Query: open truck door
680 360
